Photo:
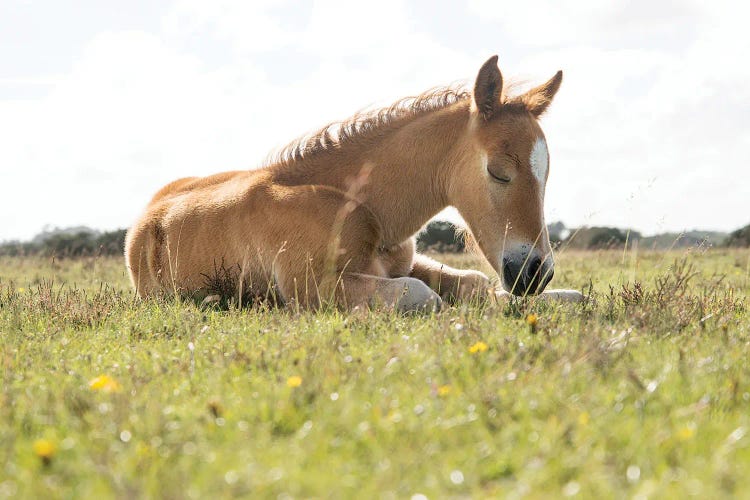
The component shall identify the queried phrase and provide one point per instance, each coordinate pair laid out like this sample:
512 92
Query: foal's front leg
455 285
451 284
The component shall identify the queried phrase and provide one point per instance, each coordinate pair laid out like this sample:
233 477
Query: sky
102 103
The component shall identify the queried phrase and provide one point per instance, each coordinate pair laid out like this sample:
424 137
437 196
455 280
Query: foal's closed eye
498 178
497 170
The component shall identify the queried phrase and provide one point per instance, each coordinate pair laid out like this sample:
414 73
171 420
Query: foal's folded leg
450 283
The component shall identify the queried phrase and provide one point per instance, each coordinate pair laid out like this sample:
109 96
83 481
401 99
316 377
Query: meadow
642 391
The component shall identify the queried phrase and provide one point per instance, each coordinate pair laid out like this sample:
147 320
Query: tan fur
332 217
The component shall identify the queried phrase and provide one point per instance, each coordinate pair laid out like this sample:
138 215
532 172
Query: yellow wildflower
45 450
531 320
583 418
685 433
143 450
294 381
444 390
104 383
478 347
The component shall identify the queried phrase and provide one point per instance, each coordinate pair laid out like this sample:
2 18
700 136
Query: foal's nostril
508 275
533 268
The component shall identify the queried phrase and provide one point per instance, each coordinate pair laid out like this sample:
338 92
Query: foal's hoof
417 297
562 295
558 295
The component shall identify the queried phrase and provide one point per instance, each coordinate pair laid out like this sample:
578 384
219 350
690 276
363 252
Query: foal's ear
539 98
487 88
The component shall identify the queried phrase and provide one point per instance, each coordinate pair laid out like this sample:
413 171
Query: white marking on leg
539 160
414 295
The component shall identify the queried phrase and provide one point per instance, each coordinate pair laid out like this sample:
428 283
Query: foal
332 218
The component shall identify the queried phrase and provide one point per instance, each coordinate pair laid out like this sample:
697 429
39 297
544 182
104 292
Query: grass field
644 391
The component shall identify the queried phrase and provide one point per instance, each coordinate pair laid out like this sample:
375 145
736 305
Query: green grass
643 390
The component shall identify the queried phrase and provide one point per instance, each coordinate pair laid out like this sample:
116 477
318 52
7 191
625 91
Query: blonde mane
365 123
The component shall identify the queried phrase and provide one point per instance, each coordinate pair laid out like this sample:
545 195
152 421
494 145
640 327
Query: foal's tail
143 256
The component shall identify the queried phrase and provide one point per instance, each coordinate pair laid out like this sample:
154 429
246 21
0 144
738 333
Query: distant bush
111 242
441 236
739 238
557 233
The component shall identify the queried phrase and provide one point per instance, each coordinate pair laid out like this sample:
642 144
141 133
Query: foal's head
503 181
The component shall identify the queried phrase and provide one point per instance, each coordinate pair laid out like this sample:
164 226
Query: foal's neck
402 172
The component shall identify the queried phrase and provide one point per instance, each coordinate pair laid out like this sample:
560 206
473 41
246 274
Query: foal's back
196 183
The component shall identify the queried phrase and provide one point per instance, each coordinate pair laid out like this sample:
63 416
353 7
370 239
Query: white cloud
246 27
542 23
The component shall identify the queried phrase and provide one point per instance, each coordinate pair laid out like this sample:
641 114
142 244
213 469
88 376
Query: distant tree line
71 242
437 236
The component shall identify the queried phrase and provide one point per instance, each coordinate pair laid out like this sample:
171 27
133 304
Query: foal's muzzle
527 274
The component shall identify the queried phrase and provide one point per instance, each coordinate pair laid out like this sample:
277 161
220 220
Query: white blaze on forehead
483 160
539 160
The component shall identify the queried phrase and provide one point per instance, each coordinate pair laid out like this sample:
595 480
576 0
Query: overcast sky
103 102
